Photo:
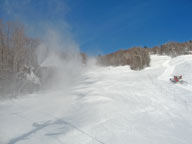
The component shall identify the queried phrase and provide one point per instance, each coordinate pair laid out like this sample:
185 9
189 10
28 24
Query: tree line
137 57
16 49
172 49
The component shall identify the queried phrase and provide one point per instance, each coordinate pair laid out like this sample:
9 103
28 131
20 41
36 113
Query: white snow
107 105
32 77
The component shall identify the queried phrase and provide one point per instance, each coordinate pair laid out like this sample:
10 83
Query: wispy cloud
41 9
37 15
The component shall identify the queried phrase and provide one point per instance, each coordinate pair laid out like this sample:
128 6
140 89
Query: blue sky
104 26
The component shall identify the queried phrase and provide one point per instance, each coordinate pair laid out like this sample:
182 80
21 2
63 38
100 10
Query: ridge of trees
137 57
172 49
17 50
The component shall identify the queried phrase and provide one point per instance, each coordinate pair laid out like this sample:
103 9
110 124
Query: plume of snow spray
61 59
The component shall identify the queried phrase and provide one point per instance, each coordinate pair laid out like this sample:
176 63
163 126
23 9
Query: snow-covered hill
107 105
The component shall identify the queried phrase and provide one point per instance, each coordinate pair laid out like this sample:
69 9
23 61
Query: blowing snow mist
60 62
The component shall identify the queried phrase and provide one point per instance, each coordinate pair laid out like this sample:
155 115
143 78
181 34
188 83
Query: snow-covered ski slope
108 105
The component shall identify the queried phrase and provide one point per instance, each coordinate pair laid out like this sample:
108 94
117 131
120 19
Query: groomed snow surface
107 105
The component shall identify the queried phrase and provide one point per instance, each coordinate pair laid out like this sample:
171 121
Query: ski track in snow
168 73
108 105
